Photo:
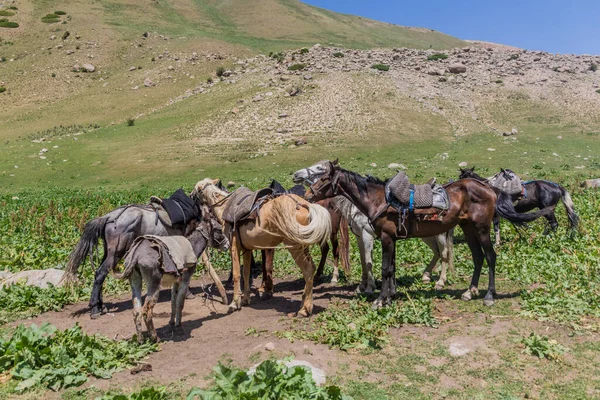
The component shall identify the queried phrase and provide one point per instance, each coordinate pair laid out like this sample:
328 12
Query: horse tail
92 232
344 246
569 207
506 209
318 229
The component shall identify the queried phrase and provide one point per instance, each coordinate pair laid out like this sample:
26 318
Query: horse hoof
439 286
334 280
466 296
488 302
377 304
426 279
190 296
302 314
233 307
246 301
265 296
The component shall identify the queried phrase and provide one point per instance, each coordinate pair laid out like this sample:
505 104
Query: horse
118 229
537 194
144 263
287 219
472 207
339 225
441 245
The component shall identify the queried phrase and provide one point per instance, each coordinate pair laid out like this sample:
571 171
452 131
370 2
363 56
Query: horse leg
444 244
387 268
336 259
433 245
247 258
302 257
174 292
366 243
266 290
324 253
393 280
552 223
96 304
478 257
497 228
153 290
490 257
236 303
135 280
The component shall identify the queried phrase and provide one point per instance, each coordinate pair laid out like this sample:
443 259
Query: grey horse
144 264
118 229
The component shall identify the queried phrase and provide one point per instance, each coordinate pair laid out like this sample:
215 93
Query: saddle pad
242 202
507 181
399 187
181 208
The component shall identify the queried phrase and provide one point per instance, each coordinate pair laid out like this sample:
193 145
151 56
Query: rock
373 165
88 68
457 69
434 72
463 164
396 166
227 73
270 346
514 131
307 77
294 91
37 277
52 37
301 141
458 350
257 98
491 149
148 82
132 69
283 115
170 68
231 184
69 52
591 183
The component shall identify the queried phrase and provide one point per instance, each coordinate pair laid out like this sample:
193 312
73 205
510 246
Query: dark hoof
96 311
265 296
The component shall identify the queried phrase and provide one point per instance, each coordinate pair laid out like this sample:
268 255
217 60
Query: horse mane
362 181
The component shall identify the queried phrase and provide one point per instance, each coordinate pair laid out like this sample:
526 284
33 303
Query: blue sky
556 26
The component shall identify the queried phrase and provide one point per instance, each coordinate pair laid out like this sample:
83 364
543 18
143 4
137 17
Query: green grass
296 67
381 67
437 57
4 13
8 24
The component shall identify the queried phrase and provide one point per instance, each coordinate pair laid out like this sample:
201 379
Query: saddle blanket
402 195
507 181
176 252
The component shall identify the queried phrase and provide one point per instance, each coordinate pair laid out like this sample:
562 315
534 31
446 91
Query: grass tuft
381 67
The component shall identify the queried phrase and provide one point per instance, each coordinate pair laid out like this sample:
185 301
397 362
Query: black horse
536 194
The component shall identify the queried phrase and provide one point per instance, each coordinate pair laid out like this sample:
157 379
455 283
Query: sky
555 26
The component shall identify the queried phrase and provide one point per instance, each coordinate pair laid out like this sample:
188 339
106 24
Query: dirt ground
475 350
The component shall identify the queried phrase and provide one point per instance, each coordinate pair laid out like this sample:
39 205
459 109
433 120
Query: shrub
8 24
13 8
5 13
542 347
296 67
54 74
220 71
338 54
272 380
593 67
277 56
381 67
514 57
598 91
130 121
2 89
60 13
304 50
437 57
50 19
209 79
499 81
66 35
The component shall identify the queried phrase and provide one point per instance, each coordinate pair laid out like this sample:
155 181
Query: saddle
176 210
415 202
507 181
244 204
278 189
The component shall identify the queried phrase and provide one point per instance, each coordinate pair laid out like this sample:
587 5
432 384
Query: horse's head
308 176
321 179
467 173
508 174
207 191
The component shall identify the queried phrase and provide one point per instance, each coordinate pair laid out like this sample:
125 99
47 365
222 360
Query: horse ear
336 161
473 169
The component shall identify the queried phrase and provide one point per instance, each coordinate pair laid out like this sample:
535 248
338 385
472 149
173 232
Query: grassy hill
185 128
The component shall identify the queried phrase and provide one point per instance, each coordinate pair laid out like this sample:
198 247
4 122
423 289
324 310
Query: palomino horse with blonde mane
286 219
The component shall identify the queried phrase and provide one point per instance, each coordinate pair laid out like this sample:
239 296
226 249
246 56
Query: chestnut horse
472 206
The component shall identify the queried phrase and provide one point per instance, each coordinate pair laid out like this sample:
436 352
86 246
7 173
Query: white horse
442 245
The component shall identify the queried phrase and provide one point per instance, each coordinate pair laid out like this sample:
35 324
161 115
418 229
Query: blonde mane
209 191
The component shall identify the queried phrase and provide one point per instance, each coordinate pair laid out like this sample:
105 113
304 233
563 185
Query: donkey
144 263
537 194
442 245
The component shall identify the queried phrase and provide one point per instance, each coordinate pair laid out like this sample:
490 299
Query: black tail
93 231
568 203
506 210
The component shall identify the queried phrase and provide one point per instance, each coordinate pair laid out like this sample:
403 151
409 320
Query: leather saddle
244 204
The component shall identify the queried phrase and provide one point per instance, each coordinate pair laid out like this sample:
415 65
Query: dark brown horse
537 194
472 206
